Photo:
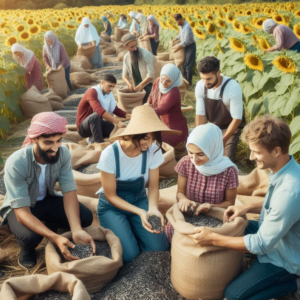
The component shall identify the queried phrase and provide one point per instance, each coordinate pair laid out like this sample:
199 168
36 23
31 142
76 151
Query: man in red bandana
32 208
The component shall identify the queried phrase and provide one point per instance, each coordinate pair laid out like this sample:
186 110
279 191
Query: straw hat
144 120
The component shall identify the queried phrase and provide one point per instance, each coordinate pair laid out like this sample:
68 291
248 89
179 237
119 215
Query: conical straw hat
144 120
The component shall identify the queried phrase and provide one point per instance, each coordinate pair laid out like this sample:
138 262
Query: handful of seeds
53 295
85 251
155 223
203 220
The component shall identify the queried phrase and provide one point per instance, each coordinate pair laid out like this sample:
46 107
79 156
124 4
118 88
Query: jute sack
26 287
179 57
94 272
245 200
127 101
165 56
158 65
89 202
87 51
75 67
121 55
166 169
180 150
57 81
81 61
73 136
3 256
124 32
171 44
80 79
183 88
109 50
32 103
145 44
105 36
203 272
103 42
118 34
54 100
113 38
119 47
167 198
87 184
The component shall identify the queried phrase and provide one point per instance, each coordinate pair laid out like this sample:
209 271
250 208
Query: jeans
95 128
51 211
189 62
262 281
232 144
296 47
147 89
154 46
67 74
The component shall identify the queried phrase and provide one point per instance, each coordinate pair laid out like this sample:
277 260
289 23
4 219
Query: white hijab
151 17
108 101
86 35
174 74
268 25
208 138
26 54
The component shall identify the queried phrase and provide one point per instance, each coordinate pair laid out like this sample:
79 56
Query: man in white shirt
219 101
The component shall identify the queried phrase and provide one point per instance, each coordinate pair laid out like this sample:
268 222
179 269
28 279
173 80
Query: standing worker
106 25
122 22
152 34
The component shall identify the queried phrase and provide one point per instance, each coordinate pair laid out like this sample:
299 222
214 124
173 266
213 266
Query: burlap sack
179 56
3 256
105 36
87 51
127 101
81 79
73 136
203 272
108 50
171 44
75 67
158 64
165 56
26 287
113 38
121 55
32 103
167 198
89 202
94 272
54 100
81 61
103 42
180 150
124 32
166 169
183 88
145 44
57 81
118 34
87 184
245 200
119 47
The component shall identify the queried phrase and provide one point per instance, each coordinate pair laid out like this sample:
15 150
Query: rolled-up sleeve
236 102
65 177
200 105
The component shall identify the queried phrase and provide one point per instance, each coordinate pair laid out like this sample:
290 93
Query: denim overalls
125 225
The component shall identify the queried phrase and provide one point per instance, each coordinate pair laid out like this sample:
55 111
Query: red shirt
90 104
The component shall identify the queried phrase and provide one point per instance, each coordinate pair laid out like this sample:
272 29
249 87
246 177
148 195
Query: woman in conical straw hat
126 167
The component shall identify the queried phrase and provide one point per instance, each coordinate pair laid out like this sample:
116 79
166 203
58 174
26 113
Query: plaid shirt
204 189
185 35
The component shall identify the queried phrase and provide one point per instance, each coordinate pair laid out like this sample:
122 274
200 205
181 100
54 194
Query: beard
134 56
213 84
44 155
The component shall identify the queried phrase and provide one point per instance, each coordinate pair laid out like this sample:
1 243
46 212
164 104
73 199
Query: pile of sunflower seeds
155 222
53 295
85 251
2 186
145 278
89 169
203 220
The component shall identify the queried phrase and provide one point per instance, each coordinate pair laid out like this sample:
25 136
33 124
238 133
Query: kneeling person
32 208
95 118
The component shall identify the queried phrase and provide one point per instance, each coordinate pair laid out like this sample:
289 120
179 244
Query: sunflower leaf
275 73
295 125
256 79
287 79
254 106
280 89
9 59
4 124
295 146
241 77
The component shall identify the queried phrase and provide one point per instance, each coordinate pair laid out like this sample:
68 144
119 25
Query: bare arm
140 87
200 120
233 126
127 81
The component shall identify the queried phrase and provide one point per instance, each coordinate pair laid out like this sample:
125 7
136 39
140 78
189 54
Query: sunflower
221 23
45 27
263 43
5 31
259 23
254 62
248 12
237 26
229 18
2 25
197 16
220 15
30 21
297 13
220 49
211 28
188 18
11 40
34 29
192 24
79 19
220 36
237 45
199 34
297 30
24 36
54 24
280 19
284 64
247 29
256 10
209 16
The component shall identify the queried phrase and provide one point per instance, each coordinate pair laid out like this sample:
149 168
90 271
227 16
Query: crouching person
32 208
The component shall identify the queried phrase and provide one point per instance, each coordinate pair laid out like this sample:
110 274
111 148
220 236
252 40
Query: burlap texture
94 272
105 36
75 67
203 272
127 101
119 47
87 51
57 81
110 50
167 198
165 56
145 44
73 136
121 55
81 61
103 42
166 169
81 79
87 184
27 286
171 44
179 56
180 150
89 202
32 103
54 100
118 34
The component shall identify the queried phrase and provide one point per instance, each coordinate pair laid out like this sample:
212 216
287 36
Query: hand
146 38
120 124
203 236
174 40
234 211
82 237
128 116
63 243
138 88
156 212
176 48
80 46
184 205
48 68
224 142
203 208
130 88
144 218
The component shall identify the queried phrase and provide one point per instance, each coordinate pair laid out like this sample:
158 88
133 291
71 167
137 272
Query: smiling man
219 101
275 237
32 208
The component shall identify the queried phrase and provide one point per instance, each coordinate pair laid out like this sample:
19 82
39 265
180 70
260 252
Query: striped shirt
185 35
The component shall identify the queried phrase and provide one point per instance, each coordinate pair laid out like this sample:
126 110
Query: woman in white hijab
33 68
152 33
206 178
134 26
142 19
87 33
166 101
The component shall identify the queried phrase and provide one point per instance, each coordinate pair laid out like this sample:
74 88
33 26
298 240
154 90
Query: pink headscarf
45 123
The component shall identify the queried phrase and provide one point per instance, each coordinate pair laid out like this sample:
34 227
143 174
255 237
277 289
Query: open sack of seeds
87 51
144 43
94 271
203 272
57 81
82 61
81 79
56 286
54 100
127 100
179 56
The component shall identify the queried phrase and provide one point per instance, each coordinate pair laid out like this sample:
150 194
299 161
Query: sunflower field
233 33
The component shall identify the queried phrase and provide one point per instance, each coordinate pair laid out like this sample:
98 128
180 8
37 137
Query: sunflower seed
203 220
53 295
155 222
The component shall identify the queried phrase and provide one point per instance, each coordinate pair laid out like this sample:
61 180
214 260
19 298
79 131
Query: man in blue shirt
275 237
186 37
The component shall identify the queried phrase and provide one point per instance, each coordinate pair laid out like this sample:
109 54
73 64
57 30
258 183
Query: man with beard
219 101
138 63
32 208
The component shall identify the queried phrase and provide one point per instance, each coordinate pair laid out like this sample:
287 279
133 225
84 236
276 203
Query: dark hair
178 17
49 135
209 64
138 137
122 15
110 78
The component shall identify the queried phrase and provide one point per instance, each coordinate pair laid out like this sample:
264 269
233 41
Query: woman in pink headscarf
54 55
33 68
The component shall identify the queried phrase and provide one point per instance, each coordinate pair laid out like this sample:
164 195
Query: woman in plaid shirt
206 178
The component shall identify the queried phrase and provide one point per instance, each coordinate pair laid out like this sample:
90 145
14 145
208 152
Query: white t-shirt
42 183
107 101
232 97
130 167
